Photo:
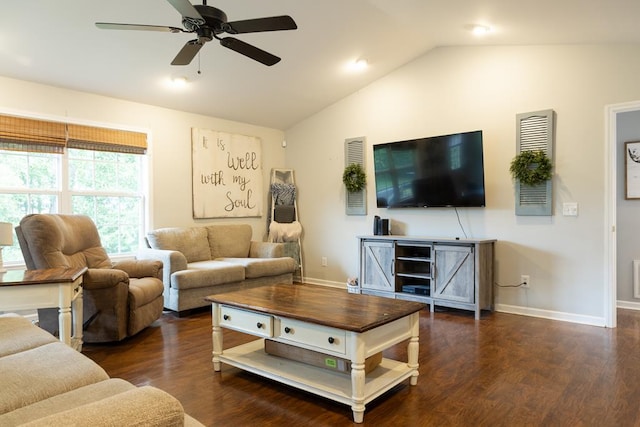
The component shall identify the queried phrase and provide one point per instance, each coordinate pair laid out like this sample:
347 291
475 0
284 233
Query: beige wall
447 90
170 142
452 90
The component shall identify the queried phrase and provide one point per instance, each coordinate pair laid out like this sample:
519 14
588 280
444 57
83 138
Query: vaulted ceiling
57 43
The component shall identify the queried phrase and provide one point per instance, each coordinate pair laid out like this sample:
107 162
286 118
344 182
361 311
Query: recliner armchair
119 299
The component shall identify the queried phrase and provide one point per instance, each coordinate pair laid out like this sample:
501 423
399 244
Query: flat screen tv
439 171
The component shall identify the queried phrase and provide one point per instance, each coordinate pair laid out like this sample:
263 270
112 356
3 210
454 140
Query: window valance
25 134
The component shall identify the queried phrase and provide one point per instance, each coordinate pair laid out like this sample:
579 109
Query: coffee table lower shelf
336 386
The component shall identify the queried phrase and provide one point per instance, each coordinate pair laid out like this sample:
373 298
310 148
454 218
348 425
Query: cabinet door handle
225 317
331 340
393 267
259 325
287 330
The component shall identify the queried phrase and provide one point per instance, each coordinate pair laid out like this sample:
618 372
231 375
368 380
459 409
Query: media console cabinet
455 273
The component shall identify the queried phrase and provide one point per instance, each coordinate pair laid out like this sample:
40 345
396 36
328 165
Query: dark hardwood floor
503 370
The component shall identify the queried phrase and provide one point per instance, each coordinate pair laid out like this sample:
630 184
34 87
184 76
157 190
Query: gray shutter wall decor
535 132
356 203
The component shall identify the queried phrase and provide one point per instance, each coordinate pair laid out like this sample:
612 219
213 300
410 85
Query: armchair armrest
103 278
140 268
266 250
172 261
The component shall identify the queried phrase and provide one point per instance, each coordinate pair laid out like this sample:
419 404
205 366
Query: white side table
55 287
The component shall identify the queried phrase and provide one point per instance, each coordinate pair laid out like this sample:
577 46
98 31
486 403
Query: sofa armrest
266 250
102 278
140 267
146 406
172 261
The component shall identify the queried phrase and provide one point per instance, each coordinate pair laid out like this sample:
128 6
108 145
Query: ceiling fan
208 23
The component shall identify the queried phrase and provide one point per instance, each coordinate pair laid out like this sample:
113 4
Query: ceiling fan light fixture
177 82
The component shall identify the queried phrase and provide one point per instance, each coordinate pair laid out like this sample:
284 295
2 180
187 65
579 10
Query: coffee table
322 319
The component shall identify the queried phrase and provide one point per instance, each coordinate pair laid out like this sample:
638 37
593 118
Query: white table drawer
246 321
321 337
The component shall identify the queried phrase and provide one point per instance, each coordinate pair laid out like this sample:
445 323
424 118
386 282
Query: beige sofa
200 261
46 383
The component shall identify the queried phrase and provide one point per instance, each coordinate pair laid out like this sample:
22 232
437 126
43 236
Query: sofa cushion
18 334
49 370
229 240
140 406
65 401
144 290
191 241
263 267
207 273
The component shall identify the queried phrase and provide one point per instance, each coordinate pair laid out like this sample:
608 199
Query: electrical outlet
525 281
324 261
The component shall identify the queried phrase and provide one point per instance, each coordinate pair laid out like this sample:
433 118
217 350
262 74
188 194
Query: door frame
610 203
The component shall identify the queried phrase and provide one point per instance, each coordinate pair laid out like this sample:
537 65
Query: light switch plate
570 209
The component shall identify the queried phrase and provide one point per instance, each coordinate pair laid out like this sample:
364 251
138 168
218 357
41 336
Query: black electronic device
380 226
439 171
377 226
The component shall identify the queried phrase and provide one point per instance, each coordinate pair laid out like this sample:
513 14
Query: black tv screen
439 171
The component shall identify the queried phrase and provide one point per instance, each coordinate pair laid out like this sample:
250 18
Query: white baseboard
629 305
550 314
514 309
332 284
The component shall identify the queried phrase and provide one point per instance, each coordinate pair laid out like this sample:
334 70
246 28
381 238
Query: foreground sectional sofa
43 382
200 261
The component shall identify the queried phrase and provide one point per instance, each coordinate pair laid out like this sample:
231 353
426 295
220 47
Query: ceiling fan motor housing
214 19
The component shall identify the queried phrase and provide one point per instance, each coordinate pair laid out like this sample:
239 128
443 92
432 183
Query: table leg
216 336
413 348
357 380
64 324
76 312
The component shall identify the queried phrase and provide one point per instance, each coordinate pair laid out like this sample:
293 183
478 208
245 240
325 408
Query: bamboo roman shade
23 134
103 139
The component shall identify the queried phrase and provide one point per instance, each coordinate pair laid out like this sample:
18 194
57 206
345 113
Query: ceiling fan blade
187 53
249 51
274 23
186 9
138 27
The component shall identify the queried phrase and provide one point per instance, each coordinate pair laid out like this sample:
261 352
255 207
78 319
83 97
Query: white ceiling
55 42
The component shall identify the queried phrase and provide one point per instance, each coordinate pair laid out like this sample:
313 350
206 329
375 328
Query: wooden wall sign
227 174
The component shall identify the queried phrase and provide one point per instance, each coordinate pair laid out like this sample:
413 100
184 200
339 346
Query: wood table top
320 304
38 277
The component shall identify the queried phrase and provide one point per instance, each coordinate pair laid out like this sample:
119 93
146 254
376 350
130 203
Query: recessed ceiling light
479 30
358 65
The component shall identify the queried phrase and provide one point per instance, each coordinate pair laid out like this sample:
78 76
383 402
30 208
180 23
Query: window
105 181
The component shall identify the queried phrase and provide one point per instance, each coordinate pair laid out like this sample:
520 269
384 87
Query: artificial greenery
354 178
531 167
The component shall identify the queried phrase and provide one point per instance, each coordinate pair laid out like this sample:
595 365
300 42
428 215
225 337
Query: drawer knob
225 317
259 325
331 340
287 330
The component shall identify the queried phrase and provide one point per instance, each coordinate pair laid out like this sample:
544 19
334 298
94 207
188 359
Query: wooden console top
320 304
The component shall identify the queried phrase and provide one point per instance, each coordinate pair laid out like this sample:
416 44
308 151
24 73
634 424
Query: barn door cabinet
455 273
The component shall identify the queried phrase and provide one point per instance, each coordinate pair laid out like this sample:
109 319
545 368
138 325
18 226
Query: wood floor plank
502 370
